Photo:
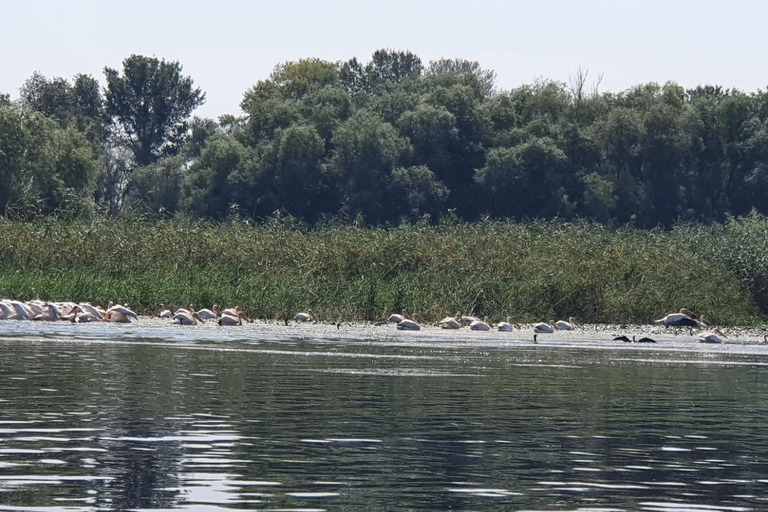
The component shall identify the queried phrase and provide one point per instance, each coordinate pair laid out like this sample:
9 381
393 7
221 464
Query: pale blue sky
228 45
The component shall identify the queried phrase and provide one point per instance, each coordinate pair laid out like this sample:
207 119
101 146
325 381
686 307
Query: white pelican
451 322
164 313
542 328
562 325
713 336
396 318
36 306
407 324
187 318
234 312
6 312
51 313
468 319
207 314
92 310
680 320
232 320
509 325
120 314
480 325
309 316
23 312
79 316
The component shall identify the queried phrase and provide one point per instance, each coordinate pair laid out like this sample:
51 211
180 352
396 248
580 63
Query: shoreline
162 329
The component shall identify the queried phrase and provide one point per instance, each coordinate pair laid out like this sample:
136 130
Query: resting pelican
23 312
468 319
233 312
6 312
187 319
164 313
50 314
508 325
480 325
542 328
208 314
309 316
92 310
120 314
451 322
562 325
407 324
396 318
78 316
232 320
713 336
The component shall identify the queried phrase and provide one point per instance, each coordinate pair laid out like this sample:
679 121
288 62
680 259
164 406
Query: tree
471 73
150 104
367 150
43 168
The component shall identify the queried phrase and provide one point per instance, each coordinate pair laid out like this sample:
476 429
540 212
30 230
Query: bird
235 310
6 312
622 338
232 320
681 319
309 316
562 325
508 325
534 338
644 340
164 313
480 325
396 318
85 307
50 314
468 319
713 336
208 314
543 328
187 318
120 314
451 322
407 324
79 316
23 311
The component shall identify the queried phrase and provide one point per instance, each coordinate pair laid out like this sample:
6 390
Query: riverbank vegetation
360 188
539 270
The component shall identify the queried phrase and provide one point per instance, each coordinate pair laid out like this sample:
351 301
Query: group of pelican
83 312
686 318
190 316
405 322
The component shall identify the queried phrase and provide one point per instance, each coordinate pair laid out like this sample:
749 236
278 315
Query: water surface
149 416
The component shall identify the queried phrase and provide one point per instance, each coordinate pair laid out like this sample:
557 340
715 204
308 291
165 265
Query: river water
269 418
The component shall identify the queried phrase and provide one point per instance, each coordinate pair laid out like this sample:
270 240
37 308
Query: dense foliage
383 141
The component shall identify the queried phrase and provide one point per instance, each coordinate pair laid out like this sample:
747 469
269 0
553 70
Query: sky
226 46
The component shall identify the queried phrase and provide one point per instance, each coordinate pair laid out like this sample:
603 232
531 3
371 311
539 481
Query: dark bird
622 338
644 340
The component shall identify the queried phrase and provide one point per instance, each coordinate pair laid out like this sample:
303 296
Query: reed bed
533 271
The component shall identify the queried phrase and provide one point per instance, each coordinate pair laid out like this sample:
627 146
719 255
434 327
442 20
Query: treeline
382 141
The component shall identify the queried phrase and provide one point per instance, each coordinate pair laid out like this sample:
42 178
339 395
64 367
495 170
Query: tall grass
533 271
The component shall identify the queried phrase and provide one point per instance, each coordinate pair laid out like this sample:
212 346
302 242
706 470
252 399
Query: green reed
534 271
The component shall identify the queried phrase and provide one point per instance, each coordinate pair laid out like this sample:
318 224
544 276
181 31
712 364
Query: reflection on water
342 424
